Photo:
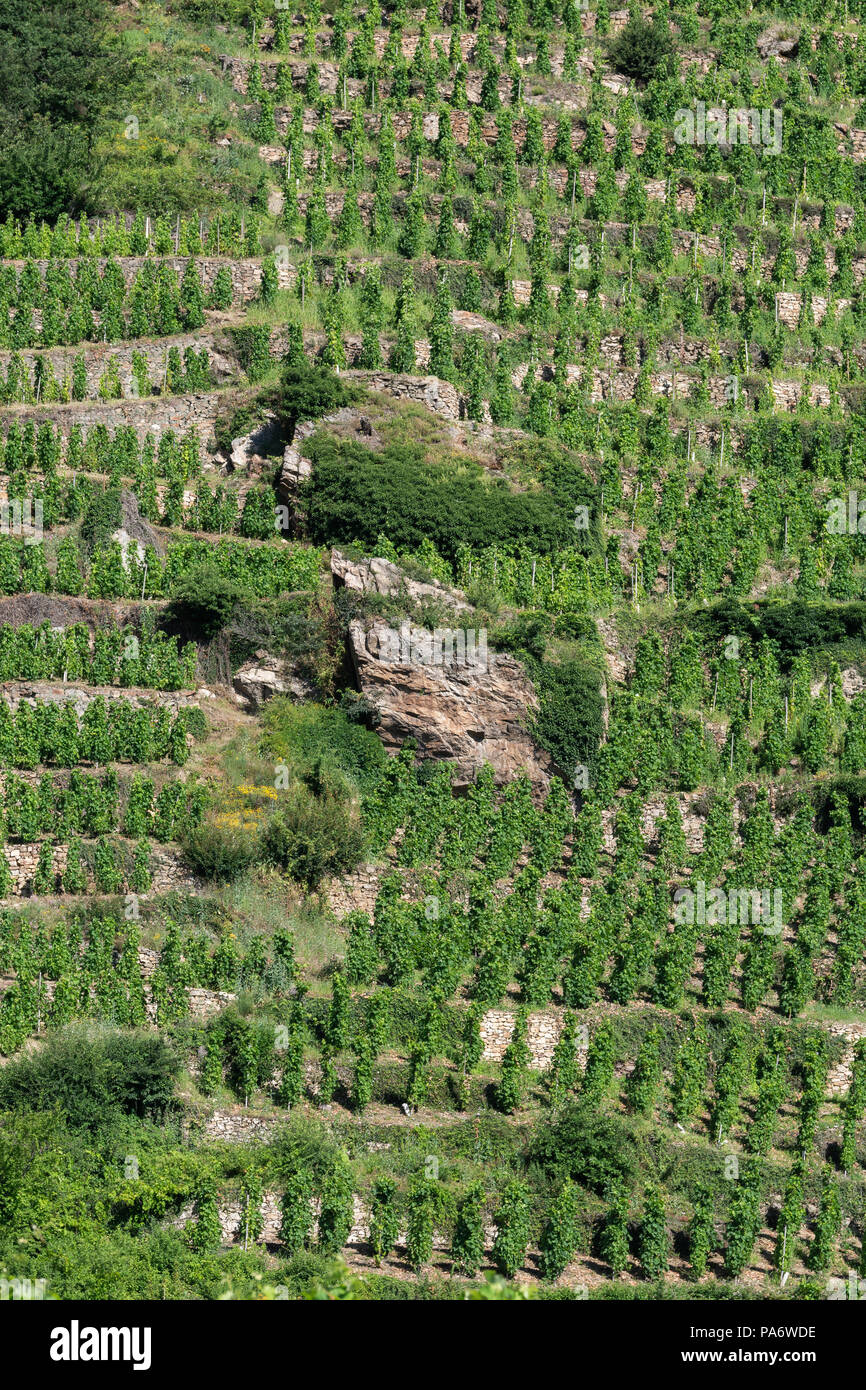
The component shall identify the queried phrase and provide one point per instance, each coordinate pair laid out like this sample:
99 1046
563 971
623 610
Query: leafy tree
744 1221
206 1231
467 1245
50 163
641 1087
336 1213
559 1237
384 1218
827 1224
512 1222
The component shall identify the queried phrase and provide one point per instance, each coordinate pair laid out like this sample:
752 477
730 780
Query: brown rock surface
375 575
466 713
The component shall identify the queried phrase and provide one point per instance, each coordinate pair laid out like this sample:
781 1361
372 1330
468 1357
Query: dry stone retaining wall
232 1218
48 693
167 869
841 1073
148 416
98 356
246 272
542 1035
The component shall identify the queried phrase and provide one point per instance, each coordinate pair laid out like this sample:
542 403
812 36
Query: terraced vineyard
433 652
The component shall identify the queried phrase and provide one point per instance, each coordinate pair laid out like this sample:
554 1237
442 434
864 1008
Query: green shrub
569 723
354 495
304 735
641 48
102 517
87 1074
217 852
306 392
203 603
591 1148
313 836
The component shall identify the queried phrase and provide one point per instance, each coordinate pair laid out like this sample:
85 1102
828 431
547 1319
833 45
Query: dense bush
641 48
49 162
304 735
593 1149
102 517
219 853
793 626
569 722
313 836
203 602
306 392
354 495
87 1074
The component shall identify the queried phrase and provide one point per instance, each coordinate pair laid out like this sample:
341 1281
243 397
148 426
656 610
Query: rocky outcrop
375 575
466 322
458 701
295 469
134 531
439 396
777 42
260 680
252 451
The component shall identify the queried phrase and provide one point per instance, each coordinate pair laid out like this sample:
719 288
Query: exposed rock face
378 576
134 530
295 469
267 676
470 711
253 450
468 322
774 43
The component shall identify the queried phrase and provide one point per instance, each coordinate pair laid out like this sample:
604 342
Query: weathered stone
267 676
774 43
375 575
470 711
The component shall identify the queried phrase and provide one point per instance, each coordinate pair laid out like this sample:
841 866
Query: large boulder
777 42
462 703
467 322
252 451
266 676
134 533
375 575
